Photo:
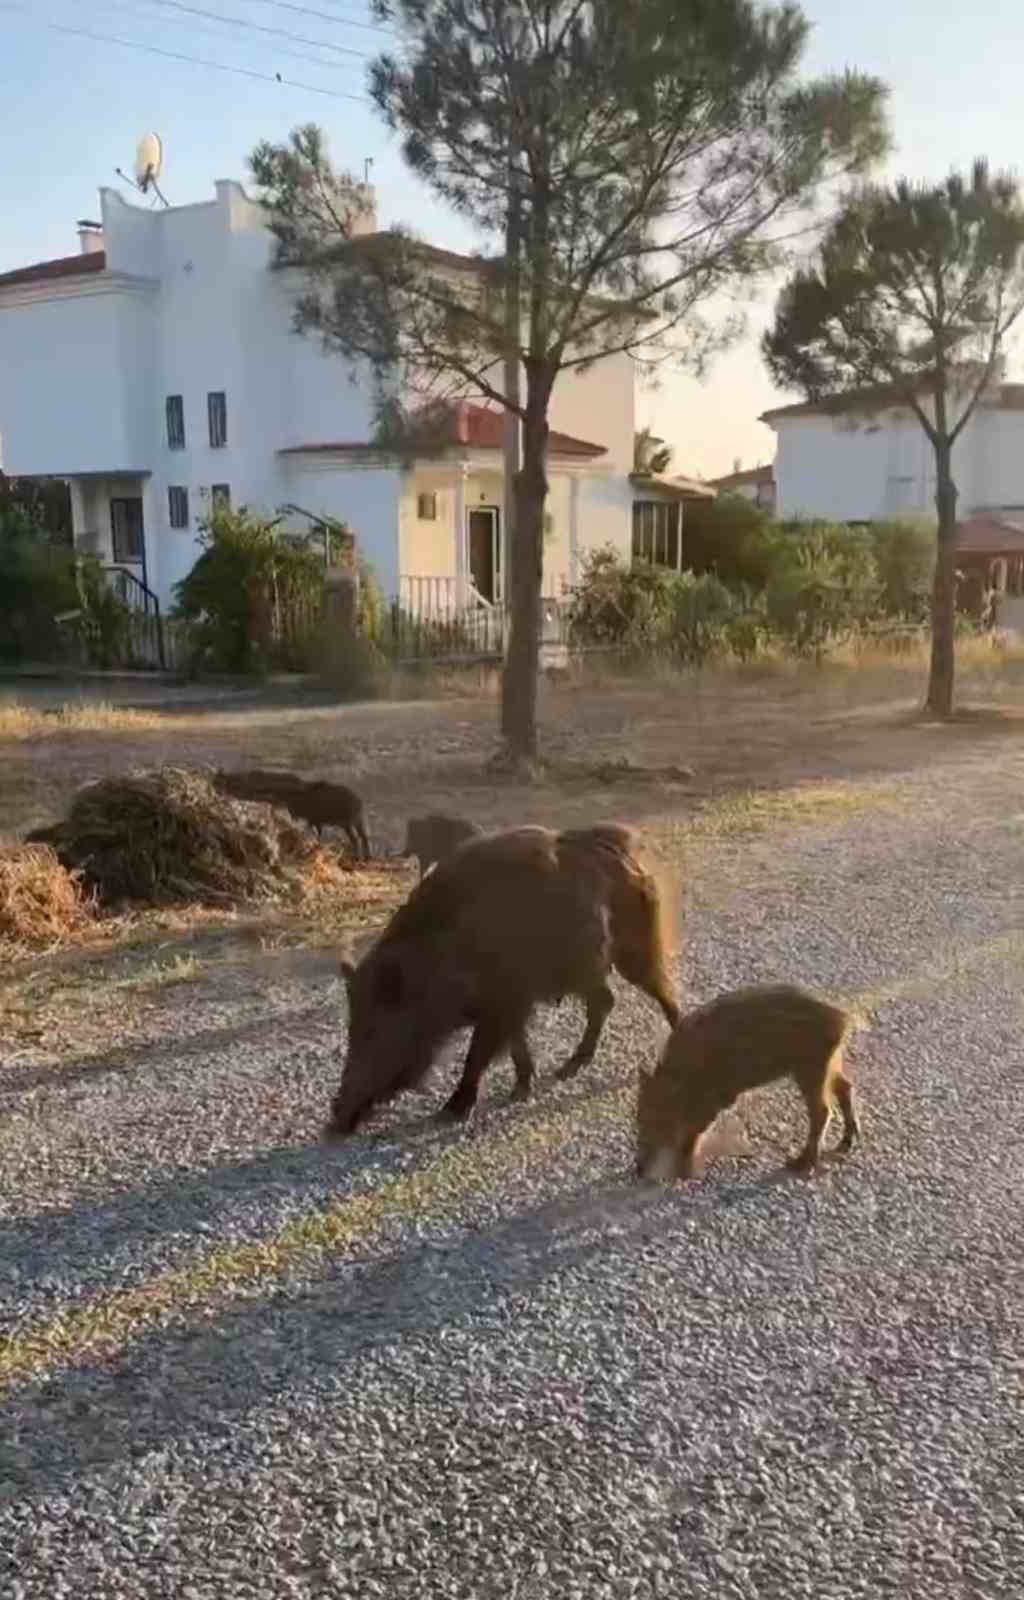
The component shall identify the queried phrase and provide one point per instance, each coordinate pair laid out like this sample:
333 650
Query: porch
453 551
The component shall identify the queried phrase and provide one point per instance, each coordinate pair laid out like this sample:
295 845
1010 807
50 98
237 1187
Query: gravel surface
530 1378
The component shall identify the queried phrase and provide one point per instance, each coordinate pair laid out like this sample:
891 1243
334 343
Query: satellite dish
149 158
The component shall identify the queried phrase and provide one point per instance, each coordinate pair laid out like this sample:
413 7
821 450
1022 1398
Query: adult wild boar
433 838
508 921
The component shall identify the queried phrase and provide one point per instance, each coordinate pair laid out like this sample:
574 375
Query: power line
326 16
177 55
276 50
258 27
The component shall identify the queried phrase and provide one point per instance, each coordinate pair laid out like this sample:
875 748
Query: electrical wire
326 16
179 55
273 49
258 27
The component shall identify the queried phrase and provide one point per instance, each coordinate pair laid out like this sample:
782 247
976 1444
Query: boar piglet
312 800
508 922
743 1040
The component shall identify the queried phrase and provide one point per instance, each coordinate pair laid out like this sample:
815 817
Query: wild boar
743 1040
433 838
313 800
507 922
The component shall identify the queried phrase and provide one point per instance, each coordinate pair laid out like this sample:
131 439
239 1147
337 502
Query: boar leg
843 1091
599 1002
522 1060
819 1109
488 1040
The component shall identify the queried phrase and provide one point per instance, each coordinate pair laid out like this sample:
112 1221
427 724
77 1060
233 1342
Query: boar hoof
455 1110
802 1165
521 1092
571 1068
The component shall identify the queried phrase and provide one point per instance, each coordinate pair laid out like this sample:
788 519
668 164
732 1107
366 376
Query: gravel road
514 1374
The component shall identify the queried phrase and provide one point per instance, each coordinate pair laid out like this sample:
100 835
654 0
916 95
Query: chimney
90 236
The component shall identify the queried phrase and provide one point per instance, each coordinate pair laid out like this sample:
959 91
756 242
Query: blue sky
75 107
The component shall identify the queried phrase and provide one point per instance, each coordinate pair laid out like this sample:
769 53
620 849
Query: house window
217 409
220 496
126 530
426 507
657 526
175 422
177 506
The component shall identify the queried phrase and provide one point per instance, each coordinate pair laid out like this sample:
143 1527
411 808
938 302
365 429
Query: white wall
884 466
599 405
367 498
64 407
850 471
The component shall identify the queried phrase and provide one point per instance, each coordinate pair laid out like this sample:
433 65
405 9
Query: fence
447 619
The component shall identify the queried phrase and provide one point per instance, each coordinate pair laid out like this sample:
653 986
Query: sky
76 106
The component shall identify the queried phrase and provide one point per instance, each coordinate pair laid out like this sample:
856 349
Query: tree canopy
908 302
621 161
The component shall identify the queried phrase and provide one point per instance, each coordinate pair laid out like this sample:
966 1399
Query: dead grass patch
42 905
27 722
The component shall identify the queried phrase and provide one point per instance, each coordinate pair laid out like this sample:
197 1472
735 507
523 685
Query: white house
866 457
157 370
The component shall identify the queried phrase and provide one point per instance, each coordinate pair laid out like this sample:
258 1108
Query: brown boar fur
508 921
312 800
739 1041
433 838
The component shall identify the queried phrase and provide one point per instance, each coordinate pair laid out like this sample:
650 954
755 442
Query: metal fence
447 619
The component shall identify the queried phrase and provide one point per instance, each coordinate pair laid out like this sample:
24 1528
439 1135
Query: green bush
904 554
37 583
647 610
731 537
254 597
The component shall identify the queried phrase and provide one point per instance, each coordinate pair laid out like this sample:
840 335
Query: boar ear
347 970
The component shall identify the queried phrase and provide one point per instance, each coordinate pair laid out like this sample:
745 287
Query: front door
126 531
485 552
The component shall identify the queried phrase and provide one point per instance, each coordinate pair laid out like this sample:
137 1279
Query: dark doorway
485 552
127 531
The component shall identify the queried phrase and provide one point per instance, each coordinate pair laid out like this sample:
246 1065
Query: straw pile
41 902
168 836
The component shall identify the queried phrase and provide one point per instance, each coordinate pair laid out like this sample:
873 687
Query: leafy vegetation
909 303
802 588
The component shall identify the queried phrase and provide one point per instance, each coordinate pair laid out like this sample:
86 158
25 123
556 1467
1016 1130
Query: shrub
255 598
37 583
904 554
644 610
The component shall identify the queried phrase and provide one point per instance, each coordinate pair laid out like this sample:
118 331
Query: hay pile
168 836
41 902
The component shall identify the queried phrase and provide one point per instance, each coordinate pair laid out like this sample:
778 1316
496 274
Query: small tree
651 455
910 299
630 158
254 595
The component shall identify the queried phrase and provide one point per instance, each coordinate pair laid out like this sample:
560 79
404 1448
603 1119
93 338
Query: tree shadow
100 1244
194 1384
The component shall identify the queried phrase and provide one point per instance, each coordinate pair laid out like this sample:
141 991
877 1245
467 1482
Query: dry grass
41 903
27 722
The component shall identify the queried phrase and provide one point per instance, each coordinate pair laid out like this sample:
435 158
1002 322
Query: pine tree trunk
940 676
525 578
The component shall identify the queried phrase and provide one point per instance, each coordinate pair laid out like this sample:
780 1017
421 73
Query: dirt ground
663 756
